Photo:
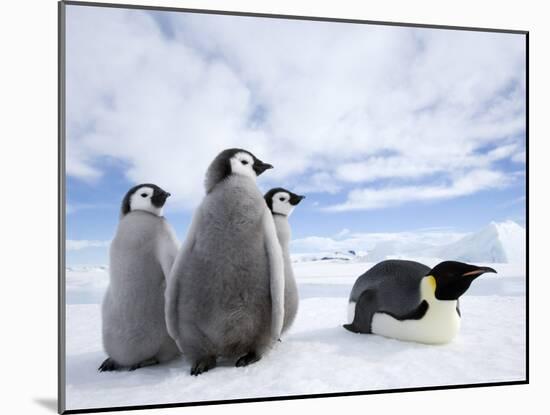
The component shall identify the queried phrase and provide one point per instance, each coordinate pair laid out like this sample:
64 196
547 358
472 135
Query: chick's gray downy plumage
133 324
219 298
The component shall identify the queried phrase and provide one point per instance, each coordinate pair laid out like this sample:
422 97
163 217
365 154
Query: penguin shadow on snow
82 370
86 364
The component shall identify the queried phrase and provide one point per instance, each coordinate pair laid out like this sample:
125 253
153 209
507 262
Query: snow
317 355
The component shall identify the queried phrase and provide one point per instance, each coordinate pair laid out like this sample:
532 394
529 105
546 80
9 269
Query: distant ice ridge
87 268
329 256
86 284
503 242
498 242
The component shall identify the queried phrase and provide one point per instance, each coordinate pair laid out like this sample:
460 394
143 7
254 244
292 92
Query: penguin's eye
282 199
144 195
244 162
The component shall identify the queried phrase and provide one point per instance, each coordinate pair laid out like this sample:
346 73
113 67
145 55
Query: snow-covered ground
317 355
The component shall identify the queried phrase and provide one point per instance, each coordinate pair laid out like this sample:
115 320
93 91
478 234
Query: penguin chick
141 256
409 301
281 203
226 290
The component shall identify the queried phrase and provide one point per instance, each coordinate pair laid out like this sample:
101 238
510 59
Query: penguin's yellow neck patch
431 282
427 288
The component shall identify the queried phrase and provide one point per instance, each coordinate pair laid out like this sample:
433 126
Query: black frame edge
294 397
290 17
527 205
61 364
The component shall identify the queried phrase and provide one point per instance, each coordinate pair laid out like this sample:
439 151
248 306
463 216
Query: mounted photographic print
265 207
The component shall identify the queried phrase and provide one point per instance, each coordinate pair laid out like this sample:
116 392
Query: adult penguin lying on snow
225 296
407 300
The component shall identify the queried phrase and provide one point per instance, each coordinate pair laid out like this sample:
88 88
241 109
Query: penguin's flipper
167 249
366 306
171 294
415 314
203 364
350 327
171 304
247 359
276 274
109 365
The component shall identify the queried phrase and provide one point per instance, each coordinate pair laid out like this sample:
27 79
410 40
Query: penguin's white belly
351 311
439 325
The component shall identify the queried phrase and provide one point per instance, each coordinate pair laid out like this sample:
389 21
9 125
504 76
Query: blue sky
385 129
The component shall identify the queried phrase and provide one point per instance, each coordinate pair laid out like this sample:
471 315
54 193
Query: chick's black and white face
281 201
281 204
142 199
243 164
233 162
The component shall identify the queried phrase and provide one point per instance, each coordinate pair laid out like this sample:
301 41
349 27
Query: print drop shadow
48 403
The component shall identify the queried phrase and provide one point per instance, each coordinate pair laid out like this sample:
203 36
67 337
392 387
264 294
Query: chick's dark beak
159 198
259 167
295 199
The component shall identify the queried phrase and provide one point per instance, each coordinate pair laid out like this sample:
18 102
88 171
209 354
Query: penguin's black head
281 201
453 278
148 197
234 161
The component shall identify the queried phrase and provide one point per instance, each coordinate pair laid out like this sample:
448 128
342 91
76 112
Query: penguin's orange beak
477 272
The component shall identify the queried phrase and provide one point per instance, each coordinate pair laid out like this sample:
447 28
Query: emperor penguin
225 295
407 300
141 257
281 203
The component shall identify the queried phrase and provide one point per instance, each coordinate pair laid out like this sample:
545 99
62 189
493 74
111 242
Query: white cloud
468 183
403 166
343 233
71 208
79 244
516 201
328 104
520 157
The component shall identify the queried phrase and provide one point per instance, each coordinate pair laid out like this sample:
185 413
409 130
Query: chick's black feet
203 364
247 359
109 365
